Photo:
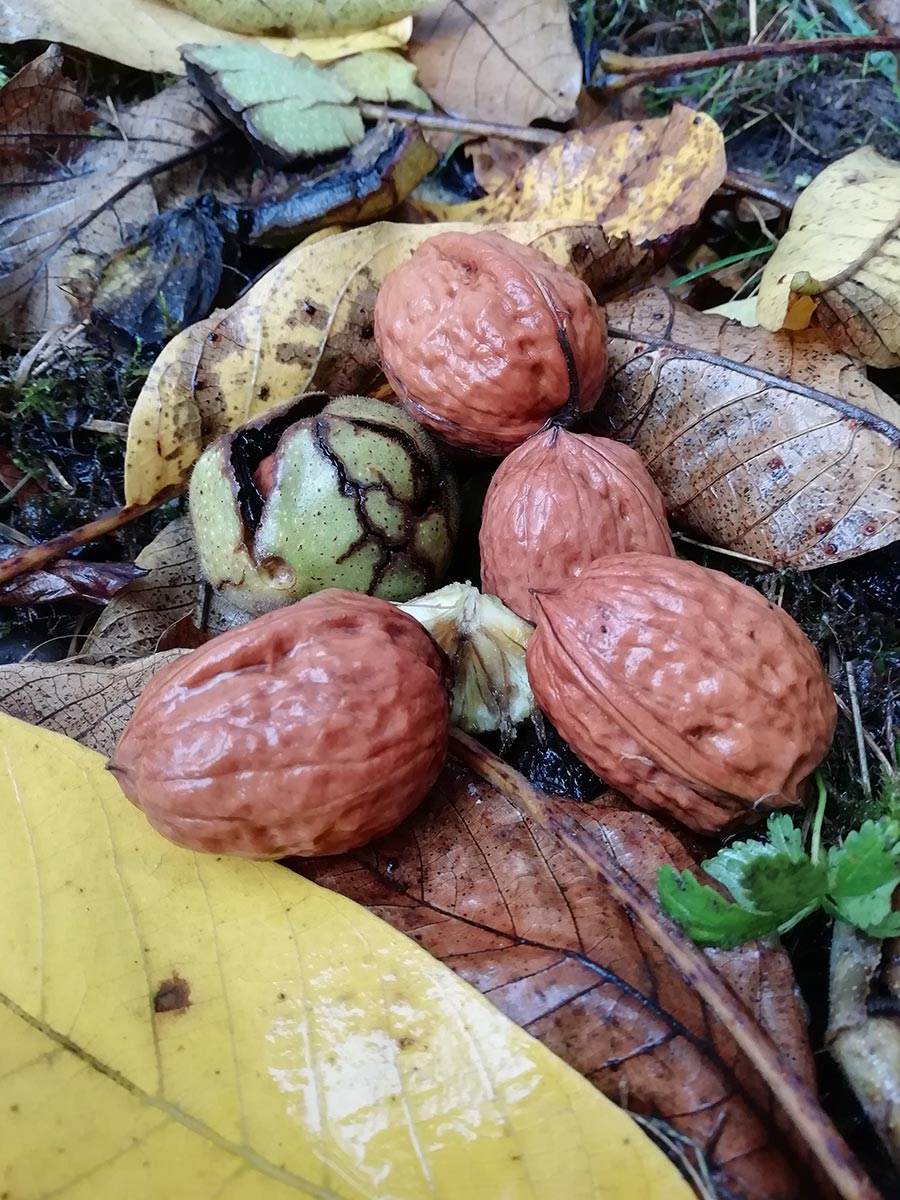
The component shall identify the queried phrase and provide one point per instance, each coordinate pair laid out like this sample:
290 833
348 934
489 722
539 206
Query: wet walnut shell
682 688
311 730
320 492
484 340
557 503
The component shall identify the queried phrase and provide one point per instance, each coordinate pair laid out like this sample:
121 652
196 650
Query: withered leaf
308 325
132 625
768 444
88 703
646 179
521 918
498 60
65 579
43 118
90 202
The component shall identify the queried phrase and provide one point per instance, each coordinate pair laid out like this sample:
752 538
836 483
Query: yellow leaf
837 263
647 178
147 33
297 16
174 1025
305 325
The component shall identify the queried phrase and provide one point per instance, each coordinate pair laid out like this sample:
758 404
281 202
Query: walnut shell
557 503
682 688
484 339
311 730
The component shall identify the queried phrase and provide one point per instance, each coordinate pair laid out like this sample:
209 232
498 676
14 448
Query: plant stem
33 557
405 116
815 845
795 1097
626 70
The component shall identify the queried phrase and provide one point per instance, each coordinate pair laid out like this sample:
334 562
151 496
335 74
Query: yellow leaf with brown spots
306 325
183 1025
647 179
839 262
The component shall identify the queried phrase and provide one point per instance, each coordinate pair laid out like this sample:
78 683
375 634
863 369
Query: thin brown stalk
404 116
626 70
798 1101
34 557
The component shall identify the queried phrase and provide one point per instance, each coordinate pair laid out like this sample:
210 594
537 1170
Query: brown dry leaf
646 179
91 203
837 263
65 579
863 1025
131 626
90 704
768 444
42 116
495 160
307 324
498 899
498 60
146 34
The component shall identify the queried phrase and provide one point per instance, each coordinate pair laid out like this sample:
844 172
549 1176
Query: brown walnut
311 730
484 340
684 689
557 503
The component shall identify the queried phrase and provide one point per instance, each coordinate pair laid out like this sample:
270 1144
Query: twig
748 558
858 729
795 1097
35 557
884 762
626 70
516 133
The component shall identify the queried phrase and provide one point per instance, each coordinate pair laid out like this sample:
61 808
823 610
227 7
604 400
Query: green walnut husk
485 644
347 492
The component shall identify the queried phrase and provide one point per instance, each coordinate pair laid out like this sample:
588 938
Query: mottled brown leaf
132 625
521 918
87 703
498 60
43 118
769 444
94 198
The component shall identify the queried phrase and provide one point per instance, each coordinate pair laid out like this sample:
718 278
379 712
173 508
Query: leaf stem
627 70
815 846
516 133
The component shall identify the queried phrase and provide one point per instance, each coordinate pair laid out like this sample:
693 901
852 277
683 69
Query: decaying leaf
376 176
863 1026
297 16
497 898
90 202
307 324
147 33
65 579
289 105
132 625
90 704
769 444
498 60
646 179
222 1028
163 280
42 116
838 260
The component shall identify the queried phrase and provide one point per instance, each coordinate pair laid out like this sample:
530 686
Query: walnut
484 340
557 503
684 689
311 730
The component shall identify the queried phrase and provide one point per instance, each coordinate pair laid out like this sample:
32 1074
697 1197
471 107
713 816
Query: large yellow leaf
646 179
839 261
174 1025
147 33
306 324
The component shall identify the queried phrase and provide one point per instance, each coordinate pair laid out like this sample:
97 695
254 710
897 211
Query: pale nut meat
484 340
687 691
311 730
557 503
